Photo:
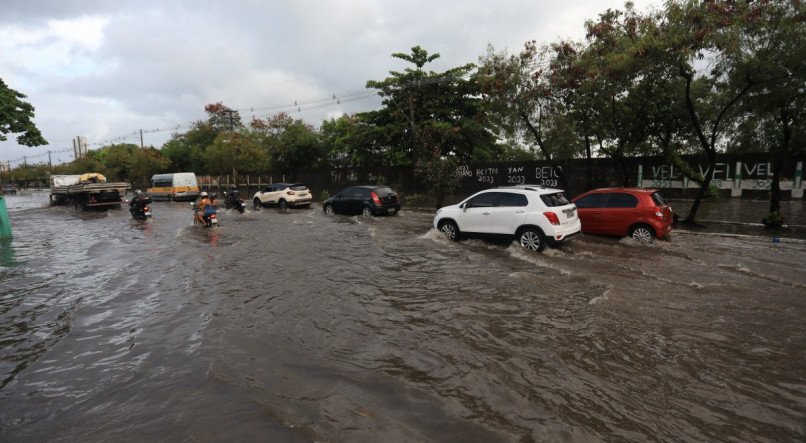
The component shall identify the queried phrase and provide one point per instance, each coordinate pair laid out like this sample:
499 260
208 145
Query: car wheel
282 204
257 203
329 210
642 233
533 239
367 212
449 229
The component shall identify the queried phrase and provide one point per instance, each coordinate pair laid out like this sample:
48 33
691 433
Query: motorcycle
210 220
141 210
233 200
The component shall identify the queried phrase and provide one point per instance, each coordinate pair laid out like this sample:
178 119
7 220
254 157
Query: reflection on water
295 326
7 252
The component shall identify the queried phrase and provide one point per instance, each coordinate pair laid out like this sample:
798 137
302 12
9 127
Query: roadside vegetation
694 77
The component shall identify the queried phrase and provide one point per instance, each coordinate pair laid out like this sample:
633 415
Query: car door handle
519 212
485 213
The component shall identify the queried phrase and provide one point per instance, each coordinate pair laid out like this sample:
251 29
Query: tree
291 144
235 152
416 100
771 115
16 117
695 31
144 163
519 98
186 151
116 159
351 141
222 118
627 84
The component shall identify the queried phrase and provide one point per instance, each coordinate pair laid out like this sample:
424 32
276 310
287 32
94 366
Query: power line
297 106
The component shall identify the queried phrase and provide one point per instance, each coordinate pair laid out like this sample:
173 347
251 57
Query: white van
177 186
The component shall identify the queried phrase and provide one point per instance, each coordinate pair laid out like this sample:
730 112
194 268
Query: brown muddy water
295 326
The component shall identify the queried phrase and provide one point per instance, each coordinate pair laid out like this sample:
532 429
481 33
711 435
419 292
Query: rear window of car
384 191
658 199
622 200
556 199
298 187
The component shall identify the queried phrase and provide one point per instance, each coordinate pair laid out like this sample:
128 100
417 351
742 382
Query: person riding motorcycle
203 208
138 201
232 199
234 193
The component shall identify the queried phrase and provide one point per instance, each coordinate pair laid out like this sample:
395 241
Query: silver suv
533 215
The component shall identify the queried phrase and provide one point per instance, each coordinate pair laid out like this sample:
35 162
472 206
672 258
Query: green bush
324 195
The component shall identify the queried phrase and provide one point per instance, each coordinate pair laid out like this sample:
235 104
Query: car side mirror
463 206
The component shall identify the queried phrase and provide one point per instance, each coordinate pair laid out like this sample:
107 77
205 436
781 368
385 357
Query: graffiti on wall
548 176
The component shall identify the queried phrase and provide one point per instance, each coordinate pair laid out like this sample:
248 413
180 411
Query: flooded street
296 326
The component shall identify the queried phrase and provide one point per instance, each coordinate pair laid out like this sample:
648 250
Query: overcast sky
106 69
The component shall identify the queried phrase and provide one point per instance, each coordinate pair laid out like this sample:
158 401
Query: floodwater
295 326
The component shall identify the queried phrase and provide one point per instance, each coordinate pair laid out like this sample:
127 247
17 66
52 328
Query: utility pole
50 163
141 139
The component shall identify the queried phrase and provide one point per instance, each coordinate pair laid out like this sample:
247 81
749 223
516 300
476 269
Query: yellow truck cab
177 186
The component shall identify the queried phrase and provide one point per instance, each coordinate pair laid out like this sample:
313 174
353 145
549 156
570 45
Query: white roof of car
536 188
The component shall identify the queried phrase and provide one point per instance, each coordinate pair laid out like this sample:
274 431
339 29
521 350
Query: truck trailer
86 191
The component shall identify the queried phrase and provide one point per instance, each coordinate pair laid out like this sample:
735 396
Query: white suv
533 215
283 195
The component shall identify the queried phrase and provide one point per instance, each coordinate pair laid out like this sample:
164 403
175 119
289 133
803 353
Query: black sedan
366 200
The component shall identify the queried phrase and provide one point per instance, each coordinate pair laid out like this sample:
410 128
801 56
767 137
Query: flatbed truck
68 190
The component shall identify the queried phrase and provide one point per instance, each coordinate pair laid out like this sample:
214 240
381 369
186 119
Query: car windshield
298 187
556 199
658 199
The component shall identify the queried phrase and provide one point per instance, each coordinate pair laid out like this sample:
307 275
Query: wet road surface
295 326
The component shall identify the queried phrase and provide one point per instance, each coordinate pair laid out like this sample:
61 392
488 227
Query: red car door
589 209
621 212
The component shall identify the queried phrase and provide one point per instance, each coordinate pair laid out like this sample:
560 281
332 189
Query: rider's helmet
138 192
203 194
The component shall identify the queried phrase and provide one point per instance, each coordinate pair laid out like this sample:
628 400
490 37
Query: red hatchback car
642 214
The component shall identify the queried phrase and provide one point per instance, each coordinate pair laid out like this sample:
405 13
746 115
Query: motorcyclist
139 201
233 192
232 198
201 208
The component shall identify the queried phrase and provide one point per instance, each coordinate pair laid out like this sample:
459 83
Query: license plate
213 220
147 213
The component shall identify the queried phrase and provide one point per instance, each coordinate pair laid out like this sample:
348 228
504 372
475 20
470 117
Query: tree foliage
16 117
421 107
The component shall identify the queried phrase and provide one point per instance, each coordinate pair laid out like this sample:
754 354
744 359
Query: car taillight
290 192
145 208
375 198
553 219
